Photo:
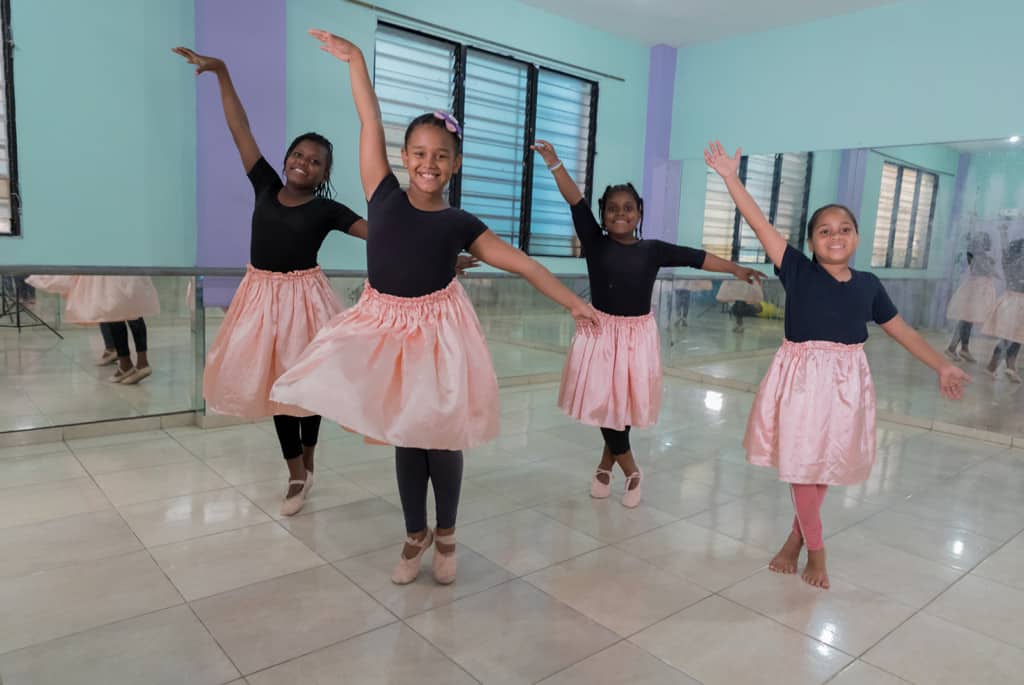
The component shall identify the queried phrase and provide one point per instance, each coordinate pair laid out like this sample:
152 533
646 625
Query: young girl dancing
408 364
612 376
284 298
813 418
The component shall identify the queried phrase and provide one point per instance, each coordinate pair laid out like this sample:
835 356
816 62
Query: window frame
6 35
908 259
796 238
458 109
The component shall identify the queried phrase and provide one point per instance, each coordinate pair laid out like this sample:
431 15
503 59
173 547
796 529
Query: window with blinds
495 127
412 74
565 110
779 183
9 224
906 209
504 104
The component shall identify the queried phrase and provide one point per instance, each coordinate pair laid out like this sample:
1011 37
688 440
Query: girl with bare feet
813 418
612 377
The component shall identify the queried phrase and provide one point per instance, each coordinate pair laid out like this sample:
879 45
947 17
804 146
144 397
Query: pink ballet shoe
293 505
109 357
121 374
444 564
407 570
631 499
599 490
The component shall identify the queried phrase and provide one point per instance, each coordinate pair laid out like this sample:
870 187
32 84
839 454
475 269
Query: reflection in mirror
941 225
78 348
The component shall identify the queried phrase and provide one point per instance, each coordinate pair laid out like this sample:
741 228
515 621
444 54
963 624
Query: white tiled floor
160 558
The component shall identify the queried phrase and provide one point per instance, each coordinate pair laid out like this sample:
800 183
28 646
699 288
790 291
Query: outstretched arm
492 250
719 265
570 191
951 378
728 168
234 112
373 154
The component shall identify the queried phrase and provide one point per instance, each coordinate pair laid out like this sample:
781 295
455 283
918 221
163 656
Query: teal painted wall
319 97
106 134
919 71
940 159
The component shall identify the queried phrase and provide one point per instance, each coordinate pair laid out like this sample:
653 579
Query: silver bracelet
556 167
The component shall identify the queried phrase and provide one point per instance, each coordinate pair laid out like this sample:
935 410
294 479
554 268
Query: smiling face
307 165
431 157
621 214
833 235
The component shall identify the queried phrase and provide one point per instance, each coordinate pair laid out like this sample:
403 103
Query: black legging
962 334
294 433
617 441
443 468
1008 348
116 332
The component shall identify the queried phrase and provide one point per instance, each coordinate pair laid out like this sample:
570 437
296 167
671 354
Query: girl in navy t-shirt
813 418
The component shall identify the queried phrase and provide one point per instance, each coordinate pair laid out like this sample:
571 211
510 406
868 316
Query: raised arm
234 112
492 250
951 378
373 153
728 168
570 191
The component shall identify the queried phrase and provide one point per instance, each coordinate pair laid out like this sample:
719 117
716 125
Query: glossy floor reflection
160 557
46 381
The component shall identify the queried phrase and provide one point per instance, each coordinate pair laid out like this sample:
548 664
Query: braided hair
324 190
623 188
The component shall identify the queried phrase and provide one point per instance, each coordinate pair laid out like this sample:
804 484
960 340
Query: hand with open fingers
748 275
464 263
335 45
202 62
547 152
952 380
717 159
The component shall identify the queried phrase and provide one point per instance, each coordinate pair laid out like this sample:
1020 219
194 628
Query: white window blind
412 74
564 119
495 124
779 185
416 74
906 205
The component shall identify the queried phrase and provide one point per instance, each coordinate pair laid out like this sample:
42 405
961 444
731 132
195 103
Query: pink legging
807 501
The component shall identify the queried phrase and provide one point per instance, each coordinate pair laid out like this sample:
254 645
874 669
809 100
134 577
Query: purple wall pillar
661 177
852 166
249 35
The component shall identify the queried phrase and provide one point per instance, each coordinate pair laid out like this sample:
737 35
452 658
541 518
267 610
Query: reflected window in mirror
9 204
780 183
906 211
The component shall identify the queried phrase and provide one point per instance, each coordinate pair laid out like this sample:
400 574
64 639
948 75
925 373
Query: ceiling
682 22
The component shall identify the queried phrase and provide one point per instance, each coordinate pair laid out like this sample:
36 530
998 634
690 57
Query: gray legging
443 468
1008 348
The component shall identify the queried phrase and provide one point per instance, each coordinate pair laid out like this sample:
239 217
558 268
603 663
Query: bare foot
789 556
815 573
293 490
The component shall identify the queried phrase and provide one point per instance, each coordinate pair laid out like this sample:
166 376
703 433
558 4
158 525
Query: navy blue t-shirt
288 238
622 276
818 307
411 252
